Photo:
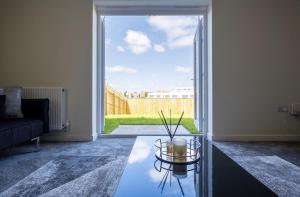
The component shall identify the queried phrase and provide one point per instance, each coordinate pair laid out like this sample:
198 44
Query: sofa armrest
37 109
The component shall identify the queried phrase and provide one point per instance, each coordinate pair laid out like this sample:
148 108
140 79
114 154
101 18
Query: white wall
256 68
49 43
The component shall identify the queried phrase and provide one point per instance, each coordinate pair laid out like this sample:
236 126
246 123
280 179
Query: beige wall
256 68
49 43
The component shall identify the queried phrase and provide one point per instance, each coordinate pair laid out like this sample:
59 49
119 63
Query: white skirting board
67 137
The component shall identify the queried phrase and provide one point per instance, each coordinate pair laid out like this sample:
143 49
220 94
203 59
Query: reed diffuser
175 147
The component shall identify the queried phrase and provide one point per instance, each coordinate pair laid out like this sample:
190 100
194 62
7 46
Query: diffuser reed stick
178 124
170 121
160 116
165 124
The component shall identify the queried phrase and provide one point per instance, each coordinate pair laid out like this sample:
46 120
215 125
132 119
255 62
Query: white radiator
57 109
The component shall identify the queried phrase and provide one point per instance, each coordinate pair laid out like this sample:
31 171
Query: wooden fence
117 104
147 106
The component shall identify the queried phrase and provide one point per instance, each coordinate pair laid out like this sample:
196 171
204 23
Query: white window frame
138 10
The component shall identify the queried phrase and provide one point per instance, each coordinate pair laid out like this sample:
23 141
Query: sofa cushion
36 127
2 107
3 126
6 138
22 129
13 101
21 133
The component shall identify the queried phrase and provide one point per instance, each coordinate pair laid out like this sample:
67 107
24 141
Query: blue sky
149 52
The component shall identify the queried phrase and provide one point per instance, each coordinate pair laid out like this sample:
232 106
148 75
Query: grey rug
66 169
92 184
277 174
63 170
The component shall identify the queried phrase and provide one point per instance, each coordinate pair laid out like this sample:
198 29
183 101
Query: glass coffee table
215 174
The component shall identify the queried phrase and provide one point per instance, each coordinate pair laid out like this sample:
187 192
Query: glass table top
215 174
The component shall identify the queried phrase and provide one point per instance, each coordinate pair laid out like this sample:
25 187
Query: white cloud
120 69
120 49
179 30
140 152
182 69
159 48
154 75
155 175
138 42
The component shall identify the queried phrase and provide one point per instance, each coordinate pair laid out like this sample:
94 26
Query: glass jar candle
179 146
170 147
179 150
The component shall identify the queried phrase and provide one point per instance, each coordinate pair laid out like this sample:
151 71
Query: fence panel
116 103
152 106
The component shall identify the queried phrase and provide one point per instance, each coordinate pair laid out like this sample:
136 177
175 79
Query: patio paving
146 130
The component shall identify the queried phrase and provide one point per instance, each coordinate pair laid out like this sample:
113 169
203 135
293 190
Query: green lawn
113 121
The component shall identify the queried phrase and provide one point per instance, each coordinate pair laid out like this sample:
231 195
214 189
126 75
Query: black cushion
37 109
2 107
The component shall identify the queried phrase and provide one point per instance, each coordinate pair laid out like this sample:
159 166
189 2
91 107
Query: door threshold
134 136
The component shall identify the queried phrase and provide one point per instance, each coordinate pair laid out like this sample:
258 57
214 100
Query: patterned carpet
68 169
275 164
279 175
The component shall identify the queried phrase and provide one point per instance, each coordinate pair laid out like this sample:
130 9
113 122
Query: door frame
100 74
135 10
200 80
